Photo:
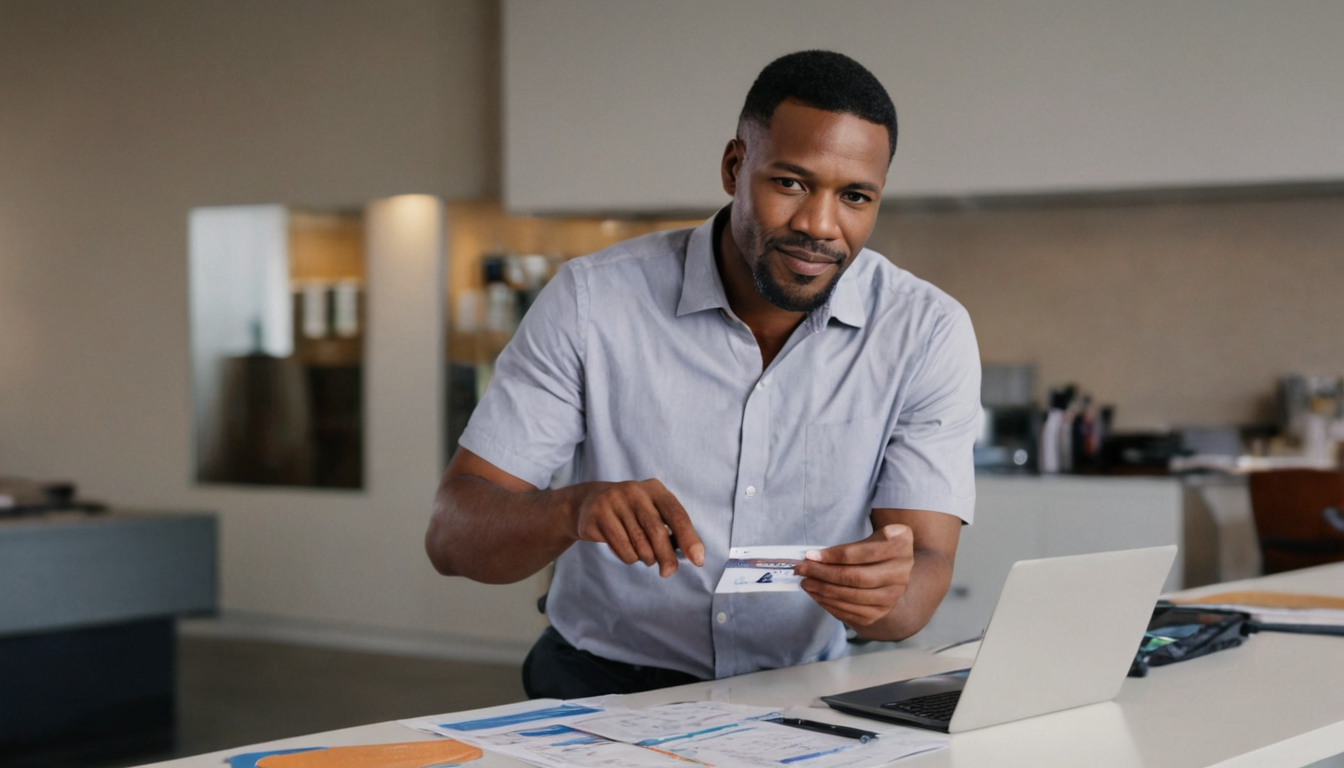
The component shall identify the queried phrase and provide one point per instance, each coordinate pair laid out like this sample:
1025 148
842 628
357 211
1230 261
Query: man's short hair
822 80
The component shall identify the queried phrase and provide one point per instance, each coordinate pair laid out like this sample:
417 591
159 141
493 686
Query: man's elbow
439 557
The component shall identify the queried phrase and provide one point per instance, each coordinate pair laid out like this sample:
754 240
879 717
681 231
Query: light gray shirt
631 364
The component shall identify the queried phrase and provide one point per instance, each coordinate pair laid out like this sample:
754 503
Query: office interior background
1144 198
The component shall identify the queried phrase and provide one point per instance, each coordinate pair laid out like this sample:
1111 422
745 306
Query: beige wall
994 97
1180 314
115 120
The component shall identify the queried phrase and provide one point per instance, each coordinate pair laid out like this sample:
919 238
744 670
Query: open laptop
1062 635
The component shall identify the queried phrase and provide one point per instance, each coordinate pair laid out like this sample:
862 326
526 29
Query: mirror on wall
277 345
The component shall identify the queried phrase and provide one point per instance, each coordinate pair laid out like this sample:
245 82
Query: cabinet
86 630
1019 518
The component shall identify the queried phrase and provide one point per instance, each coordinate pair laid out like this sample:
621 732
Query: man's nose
817 218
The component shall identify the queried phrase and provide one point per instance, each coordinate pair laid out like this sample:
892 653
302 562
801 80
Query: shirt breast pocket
841 470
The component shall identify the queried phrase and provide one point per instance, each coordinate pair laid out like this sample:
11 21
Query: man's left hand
860 583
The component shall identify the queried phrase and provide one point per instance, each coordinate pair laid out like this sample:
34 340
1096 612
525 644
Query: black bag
1176 634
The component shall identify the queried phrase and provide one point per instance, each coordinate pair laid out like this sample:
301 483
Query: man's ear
732 165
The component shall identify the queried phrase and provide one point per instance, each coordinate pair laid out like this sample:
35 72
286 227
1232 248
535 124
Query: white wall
615 105
116 119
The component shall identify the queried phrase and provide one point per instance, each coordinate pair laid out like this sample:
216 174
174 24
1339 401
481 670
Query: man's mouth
806 262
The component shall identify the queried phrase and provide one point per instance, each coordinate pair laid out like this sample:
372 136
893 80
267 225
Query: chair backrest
1299 517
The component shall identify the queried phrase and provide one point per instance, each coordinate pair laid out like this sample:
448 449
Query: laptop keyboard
935 706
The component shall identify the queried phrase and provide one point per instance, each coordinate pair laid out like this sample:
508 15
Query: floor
236 692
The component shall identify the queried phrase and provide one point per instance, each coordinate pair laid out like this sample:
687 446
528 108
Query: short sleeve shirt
631 365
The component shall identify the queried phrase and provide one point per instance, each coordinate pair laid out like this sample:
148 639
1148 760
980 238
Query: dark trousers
554 669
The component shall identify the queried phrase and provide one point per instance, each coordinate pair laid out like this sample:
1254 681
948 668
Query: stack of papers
556 734
1277 610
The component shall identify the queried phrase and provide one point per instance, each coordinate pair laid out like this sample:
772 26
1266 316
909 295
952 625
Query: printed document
559 734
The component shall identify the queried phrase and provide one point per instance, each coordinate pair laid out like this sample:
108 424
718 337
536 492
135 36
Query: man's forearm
494 535
930 576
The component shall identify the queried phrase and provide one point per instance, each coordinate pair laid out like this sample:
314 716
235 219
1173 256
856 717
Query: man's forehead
802 136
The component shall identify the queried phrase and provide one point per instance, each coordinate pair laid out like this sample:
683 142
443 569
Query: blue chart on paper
250 759
521 718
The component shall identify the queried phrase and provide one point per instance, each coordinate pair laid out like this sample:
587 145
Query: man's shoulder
633 276
652 251
892 290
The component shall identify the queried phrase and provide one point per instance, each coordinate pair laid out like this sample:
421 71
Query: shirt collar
702 286
846 305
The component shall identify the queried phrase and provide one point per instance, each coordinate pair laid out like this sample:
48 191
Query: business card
763 569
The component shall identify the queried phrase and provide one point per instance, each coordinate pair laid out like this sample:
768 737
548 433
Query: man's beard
775 292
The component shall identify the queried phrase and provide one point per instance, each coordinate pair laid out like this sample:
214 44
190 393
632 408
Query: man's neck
770 325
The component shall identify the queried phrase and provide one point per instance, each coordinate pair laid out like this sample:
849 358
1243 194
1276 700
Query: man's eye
788 183
856 197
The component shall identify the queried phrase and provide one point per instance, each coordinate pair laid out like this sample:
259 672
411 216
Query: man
761 379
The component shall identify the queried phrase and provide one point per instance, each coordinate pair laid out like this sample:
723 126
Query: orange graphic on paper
414 754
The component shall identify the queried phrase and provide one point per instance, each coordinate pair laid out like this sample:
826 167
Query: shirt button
722 617
760 385
751 491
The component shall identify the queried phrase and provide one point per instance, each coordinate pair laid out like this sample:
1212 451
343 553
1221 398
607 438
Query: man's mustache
809 247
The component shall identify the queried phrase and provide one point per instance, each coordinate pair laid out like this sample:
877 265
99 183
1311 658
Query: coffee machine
1007 443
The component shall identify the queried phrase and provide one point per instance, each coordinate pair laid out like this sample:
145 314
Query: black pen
835 730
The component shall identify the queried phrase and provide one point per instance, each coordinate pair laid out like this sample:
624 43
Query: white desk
1278 700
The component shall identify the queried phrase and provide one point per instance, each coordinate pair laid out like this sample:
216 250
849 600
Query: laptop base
900 702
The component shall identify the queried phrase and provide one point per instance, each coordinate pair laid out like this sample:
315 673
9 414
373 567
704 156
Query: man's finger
657 534
883 594
674 515
634 530
866 576
613 534
846 612
891 541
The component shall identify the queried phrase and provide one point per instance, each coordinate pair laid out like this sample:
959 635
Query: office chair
1298 517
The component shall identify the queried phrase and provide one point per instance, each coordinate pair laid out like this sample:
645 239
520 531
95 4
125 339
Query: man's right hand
494 527
637 519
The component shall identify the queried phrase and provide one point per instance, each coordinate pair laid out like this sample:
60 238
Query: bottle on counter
1051 429
1081 433
1069 399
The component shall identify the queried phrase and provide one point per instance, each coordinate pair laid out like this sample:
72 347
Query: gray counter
88 605
68 570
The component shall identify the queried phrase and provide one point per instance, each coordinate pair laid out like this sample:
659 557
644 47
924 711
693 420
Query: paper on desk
759 745
537 732
892 743
545 733
1305 617
1275 607
559 746
763 569
722 734
415 754
655 725
469 726
250 759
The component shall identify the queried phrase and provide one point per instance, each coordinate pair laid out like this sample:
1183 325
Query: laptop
1062 635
